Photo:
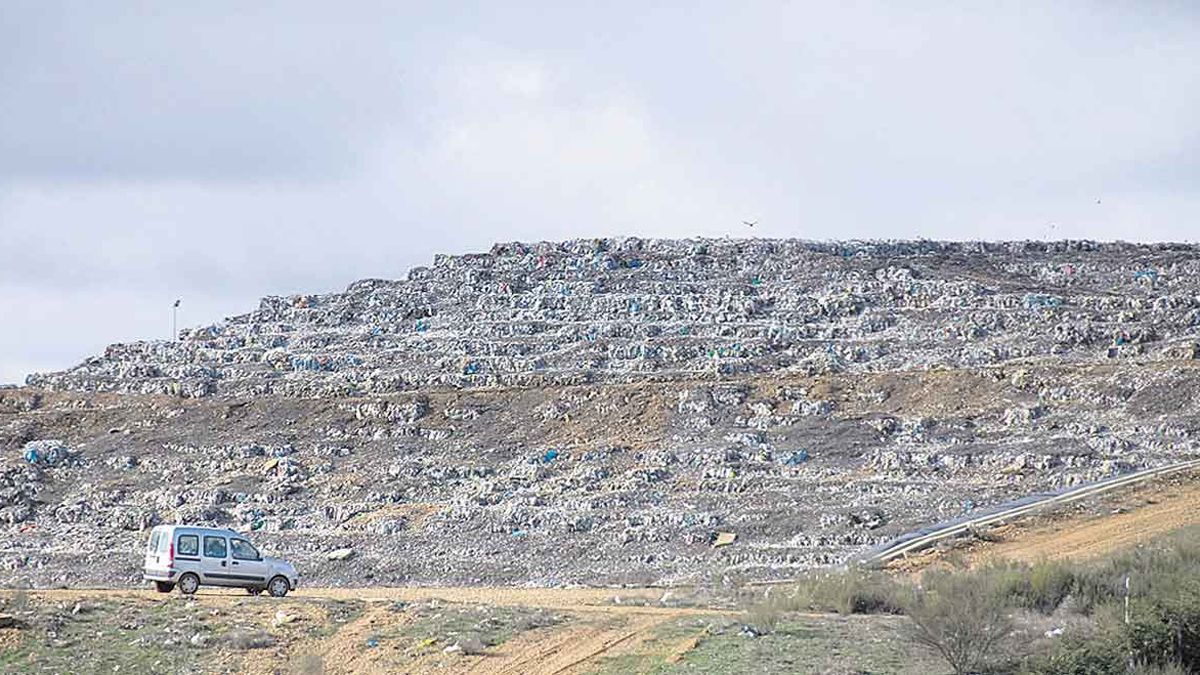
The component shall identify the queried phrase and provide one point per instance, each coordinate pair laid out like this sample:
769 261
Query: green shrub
962 617
1148 637
1095 586
1082 656
1164 625
1049 584
1041 587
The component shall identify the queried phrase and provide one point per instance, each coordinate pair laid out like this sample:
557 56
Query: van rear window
189 544
152 546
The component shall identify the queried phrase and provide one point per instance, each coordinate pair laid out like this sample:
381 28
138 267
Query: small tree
962 618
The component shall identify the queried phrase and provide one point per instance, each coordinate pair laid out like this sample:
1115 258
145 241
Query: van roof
200 528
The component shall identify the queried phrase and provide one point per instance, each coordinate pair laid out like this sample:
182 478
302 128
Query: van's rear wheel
163 586
278 586
189 583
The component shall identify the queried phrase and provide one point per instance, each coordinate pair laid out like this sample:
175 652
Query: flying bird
749 223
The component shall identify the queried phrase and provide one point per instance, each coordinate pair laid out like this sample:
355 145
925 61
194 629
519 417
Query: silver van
187 557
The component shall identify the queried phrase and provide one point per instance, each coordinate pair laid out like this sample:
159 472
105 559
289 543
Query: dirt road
591 625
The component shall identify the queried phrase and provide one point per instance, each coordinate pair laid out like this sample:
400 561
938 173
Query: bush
1095 587
962 617
1041 587
1082 656
18 602
1164 627
766 614
852 591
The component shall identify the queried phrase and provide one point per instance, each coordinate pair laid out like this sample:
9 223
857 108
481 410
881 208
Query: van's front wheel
279 586
189 583
163 587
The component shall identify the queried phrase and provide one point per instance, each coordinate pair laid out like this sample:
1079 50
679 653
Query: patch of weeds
308 664
244 638
654 654
797 645
338 614
103 636
762 617
17 602
852 591
468 625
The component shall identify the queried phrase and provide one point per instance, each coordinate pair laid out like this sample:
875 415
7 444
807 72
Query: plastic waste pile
623 310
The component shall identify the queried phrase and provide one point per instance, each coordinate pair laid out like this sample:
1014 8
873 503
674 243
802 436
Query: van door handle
235 562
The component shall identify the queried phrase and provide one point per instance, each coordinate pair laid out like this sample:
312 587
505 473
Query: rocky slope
608 411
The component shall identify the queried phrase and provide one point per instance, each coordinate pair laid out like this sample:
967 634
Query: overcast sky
221 151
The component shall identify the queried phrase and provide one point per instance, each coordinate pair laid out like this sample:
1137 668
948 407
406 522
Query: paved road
925 537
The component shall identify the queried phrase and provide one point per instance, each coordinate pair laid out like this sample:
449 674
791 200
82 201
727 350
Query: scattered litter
1146 277
340 554
200 639
724 539
1042 301
46 453
797 458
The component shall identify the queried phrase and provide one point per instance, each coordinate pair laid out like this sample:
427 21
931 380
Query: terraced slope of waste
614 411
623 311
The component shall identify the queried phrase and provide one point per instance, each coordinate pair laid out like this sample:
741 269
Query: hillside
600 411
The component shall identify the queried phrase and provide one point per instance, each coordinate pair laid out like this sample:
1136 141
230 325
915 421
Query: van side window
215 547
243 550
189 544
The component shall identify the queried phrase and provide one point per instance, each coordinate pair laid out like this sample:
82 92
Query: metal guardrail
919 539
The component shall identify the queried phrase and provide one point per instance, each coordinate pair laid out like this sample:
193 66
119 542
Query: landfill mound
614 411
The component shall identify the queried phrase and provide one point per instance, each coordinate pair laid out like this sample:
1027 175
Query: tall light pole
175 321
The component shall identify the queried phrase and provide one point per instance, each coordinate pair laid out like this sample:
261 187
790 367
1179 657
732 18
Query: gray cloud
223 151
